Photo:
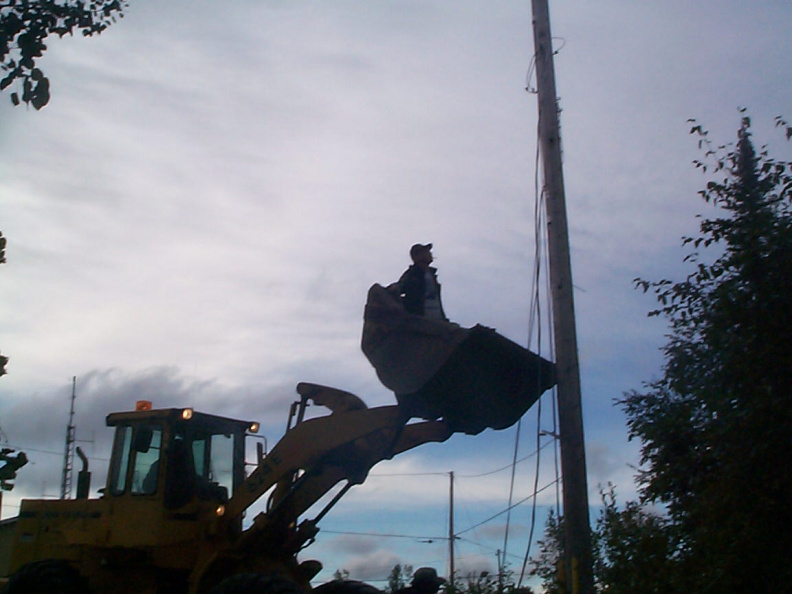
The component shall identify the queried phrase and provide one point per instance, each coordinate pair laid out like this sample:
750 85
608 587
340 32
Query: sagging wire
500 513
535 322
489 472
532 66
541 256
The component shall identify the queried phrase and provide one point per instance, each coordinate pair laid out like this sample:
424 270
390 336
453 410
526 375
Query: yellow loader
170 517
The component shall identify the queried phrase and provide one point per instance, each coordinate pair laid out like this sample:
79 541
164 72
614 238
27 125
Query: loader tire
346 587
257 583
51 576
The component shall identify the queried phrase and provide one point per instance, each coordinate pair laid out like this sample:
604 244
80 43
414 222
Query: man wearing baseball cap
424 581
418 286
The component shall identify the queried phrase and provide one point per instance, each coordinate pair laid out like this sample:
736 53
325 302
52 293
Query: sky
197 216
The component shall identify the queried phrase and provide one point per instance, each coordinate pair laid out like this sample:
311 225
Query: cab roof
178 415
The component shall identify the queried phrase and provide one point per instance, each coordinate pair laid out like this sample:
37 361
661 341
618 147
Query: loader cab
175 456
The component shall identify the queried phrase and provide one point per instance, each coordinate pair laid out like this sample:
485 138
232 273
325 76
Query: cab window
136 448
148 445
213 456
121 450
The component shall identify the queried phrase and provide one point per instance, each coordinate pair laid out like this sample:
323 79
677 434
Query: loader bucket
472 378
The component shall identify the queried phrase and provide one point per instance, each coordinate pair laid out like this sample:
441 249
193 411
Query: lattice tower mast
68 454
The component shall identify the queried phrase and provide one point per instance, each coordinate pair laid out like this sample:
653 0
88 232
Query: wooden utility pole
451 529
577 545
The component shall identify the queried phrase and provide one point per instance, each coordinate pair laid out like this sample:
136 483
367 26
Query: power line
486 547
16 447
508 466
532 495
409 474
427 539
482 474
49 452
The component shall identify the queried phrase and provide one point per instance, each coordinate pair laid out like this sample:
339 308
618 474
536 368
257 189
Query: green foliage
633 551
716 428
481 583
399 577
341 574
548 566
486 583
473 583
25 25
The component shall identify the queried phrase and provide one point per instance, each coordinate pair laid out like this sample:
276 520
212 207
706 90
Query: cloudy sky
198 214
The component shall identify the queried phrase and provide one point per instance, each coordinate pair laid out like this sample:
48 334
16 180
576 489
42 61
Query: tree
633 551
25 25
716 428
474 583
481 583
549 565
486 583
341 574
399 577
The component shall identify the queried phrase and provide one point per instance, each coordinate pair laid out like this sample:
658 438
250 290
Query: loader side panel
50 529
7 531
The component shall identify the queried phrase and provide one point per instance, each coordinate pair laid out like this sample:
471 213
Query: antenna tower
68 454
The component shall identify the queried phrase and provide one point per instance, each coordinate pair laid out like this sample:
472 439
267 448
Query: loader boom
306 445
319 453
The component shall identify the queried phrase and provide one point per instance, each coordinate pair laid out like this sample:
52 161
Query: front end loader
170 517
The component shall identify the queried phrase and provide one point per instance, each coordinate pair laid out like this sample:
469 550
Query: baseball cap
419 247
427 575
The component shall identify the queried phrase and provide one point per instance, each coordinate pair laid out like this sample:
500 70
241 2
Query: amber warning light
143 405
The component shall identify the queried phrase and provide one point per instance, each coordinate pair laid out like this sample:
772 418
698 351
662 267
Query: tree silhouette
26 24
716 428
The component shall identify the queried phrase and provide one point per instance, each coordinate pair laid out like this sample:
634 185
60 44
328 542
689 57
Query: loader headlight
187 414
254 427
220 511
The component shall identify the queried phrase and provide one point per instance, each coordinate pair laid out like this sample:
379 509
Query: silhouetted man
418 286
425 581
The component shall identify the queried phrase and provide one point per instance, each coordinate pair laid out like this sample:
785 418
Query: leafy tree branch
24 28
